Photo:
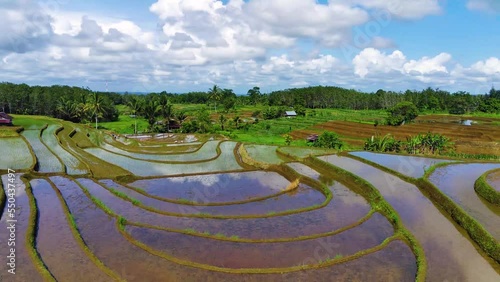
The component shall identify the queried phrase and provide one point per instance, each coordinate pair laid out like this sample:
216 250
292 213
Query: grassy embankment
484 189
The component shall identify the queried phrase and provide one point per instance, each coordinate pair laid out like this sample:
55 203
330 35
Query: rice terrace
250 140
97 205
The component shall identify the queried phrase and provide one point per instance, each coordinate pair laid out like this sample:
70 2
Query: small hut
5 119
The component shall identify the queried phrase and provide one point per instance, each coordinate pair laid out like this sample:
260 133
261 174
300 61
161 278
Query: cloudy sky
190 45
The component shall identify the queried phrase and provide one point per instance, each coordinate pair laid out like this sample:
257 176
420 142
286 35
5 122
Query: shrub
329 140
403 112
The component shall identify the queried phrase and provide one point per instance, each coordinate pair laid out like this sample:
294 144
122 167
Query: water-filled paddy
263 153
263 255
457 181
225 162
25 269
302 197
220 188
73 165
450 254
346 209
493 179
55 242
15 154
304 170
407 165
393 263
47 161
207 151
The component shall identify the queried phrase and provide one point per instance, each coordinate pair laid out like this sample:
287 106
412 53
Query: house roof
5 116
290 113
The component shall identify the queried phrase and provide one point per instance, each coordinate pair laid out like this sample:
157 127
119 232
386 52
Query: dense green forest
83 105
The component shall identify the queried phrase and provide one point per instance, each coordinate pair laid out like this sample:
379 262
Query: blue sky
190 45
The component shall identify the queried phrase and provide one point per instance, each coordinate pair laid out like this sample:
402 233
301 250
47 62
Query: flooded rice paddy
450 254
457 181
201 216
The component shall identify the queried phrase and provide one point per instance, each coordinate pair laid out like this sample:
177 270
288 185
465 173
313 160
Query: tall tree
135 105
165 109
150 111
254 95
96 106
215 94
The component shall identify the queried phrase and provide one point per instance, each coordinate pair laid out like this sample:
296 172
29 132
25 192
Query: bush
329 140
403 112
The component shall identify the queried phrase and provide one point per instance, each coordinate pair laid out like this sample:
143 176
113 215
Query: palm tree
150 112
215 94
96 106
135 105
222 120
165 109
66 109
181 116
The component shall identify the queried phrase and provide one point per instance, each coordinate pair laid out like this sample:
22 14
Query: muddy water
25 269
56 244
344 209
450 255
218 188
457 181
264 255
393 263
303 197
494 180
407 165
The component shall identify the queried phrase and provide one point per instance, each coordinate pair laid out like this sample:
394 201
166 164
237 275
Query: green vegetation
402 113
329 140
484 189
430 143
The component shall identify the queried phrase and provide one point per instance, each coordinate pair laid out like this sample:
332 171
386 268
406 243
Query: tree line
80 104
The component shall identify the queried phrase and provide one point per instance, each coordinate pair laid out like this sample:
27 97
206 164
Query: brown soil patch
475 139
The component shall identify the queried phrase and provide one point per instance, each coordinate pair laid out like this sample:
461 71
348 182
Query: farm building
5 119
290 114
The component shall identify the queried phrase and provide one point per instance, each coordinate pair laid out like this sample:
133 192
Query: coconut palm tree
165 109
150 111
215 94
96 106
135 105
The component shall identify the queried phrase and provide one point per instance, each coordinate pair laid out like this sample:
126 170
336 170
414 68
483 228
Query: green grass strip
476 231
31 234
484 189
79 239
378 203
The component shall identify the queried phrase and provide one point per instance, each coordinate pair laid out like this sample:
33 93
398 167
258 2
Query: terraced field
93 207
